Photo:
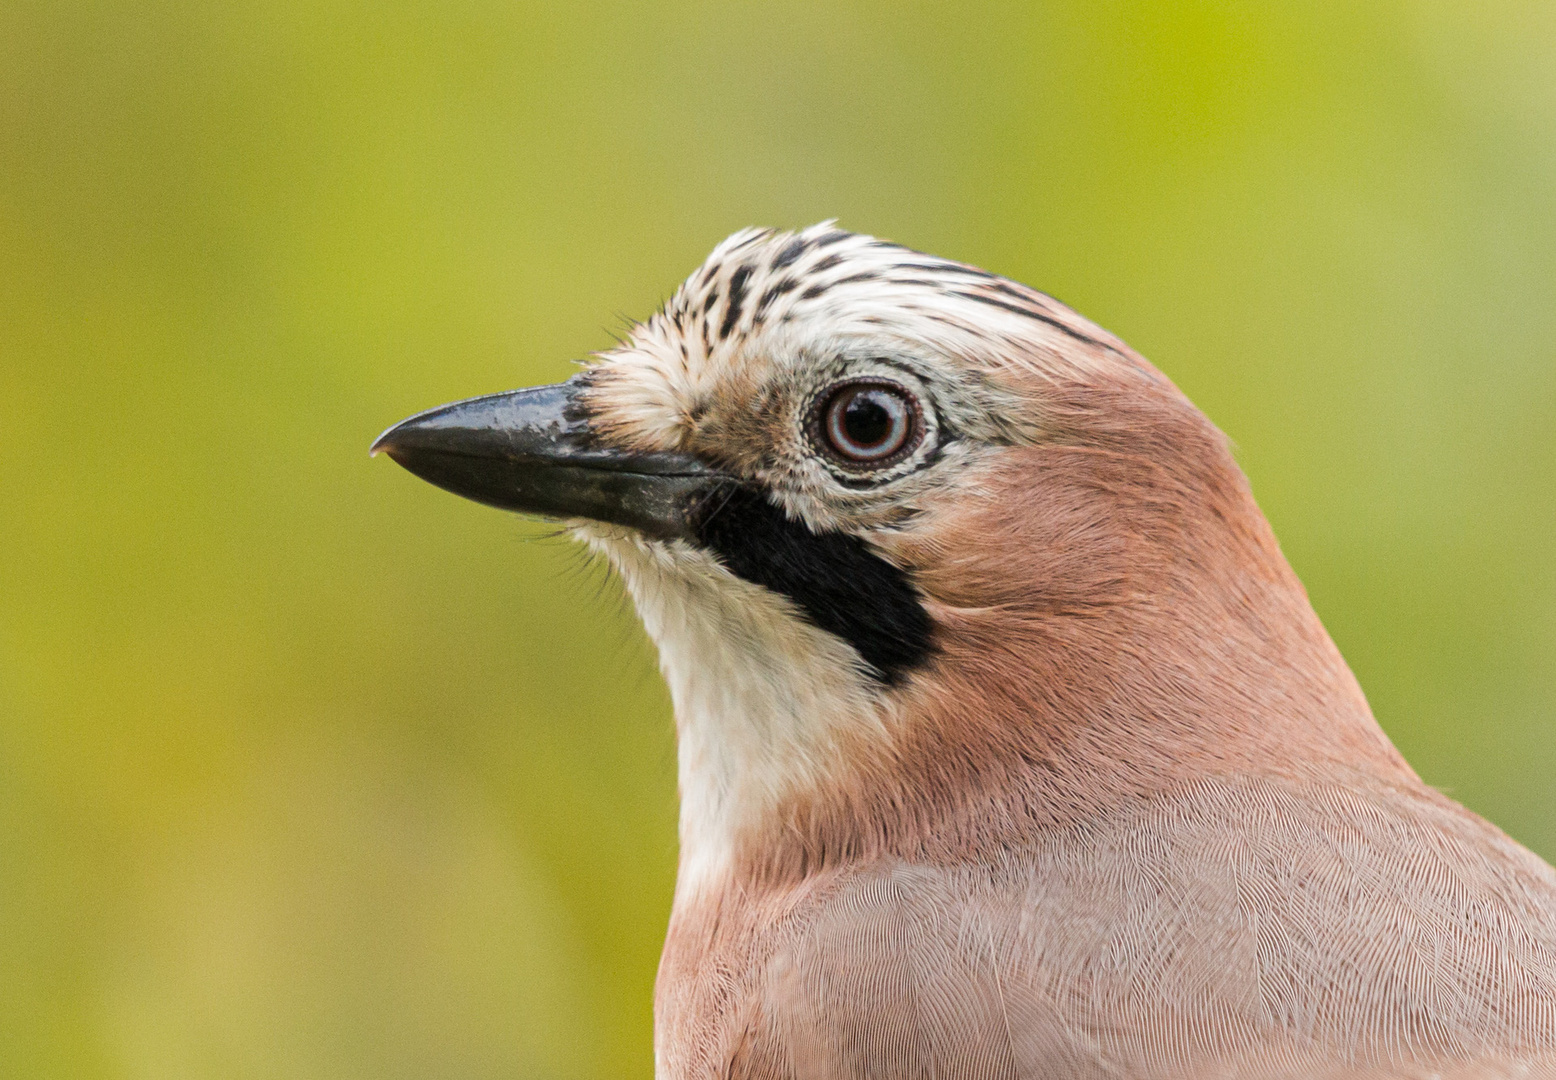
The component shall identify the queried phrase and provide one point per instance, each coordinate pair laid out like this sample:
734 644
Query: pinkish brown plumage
1014 749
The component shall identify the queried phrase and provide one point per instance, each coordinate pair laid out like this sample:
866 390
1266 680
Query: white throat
765 703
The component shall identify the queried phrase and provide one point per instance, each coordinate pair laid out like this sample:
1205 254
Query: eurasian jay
1009 743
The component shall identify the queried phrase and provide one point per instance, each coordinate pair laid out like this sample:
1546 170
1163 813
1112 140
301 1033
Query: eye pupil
866 420
868 423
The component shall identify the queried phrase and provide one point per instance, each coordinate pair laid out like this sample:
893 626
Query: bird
1010 746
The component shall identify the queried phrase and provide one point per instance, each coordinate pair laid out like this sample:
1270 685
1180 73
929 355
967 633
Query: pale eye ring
867 424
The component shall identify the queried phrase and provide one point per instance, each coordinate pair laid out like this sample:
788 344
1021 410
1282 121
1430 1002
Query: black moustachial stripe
833 578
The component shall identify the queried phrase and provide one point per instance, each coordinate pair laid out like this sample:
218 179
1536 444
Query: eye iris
870 423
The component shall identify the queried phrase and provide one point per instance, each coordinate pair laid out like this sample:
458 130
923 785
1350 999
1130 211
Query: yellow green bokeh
308 769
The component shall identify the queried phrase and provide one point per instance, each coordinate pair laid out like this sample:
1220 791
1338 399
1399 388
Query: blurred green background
308 769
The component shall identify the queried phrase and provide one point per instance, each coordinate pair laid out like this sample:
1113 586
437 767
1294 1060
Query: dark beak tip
408 434
384 444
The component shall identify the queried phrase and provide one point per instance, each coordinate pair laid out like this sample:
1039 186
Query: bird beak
534 451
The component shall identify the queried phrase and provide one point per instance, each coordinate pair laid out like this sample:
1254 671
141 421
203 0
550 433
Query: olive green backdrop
308 769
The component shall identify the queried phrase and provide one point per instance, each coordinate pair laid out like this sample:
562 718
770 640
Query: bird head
928 557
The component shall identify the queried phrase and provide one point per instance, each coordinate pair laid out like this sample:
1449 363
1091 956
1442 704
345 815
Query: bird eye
869 424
